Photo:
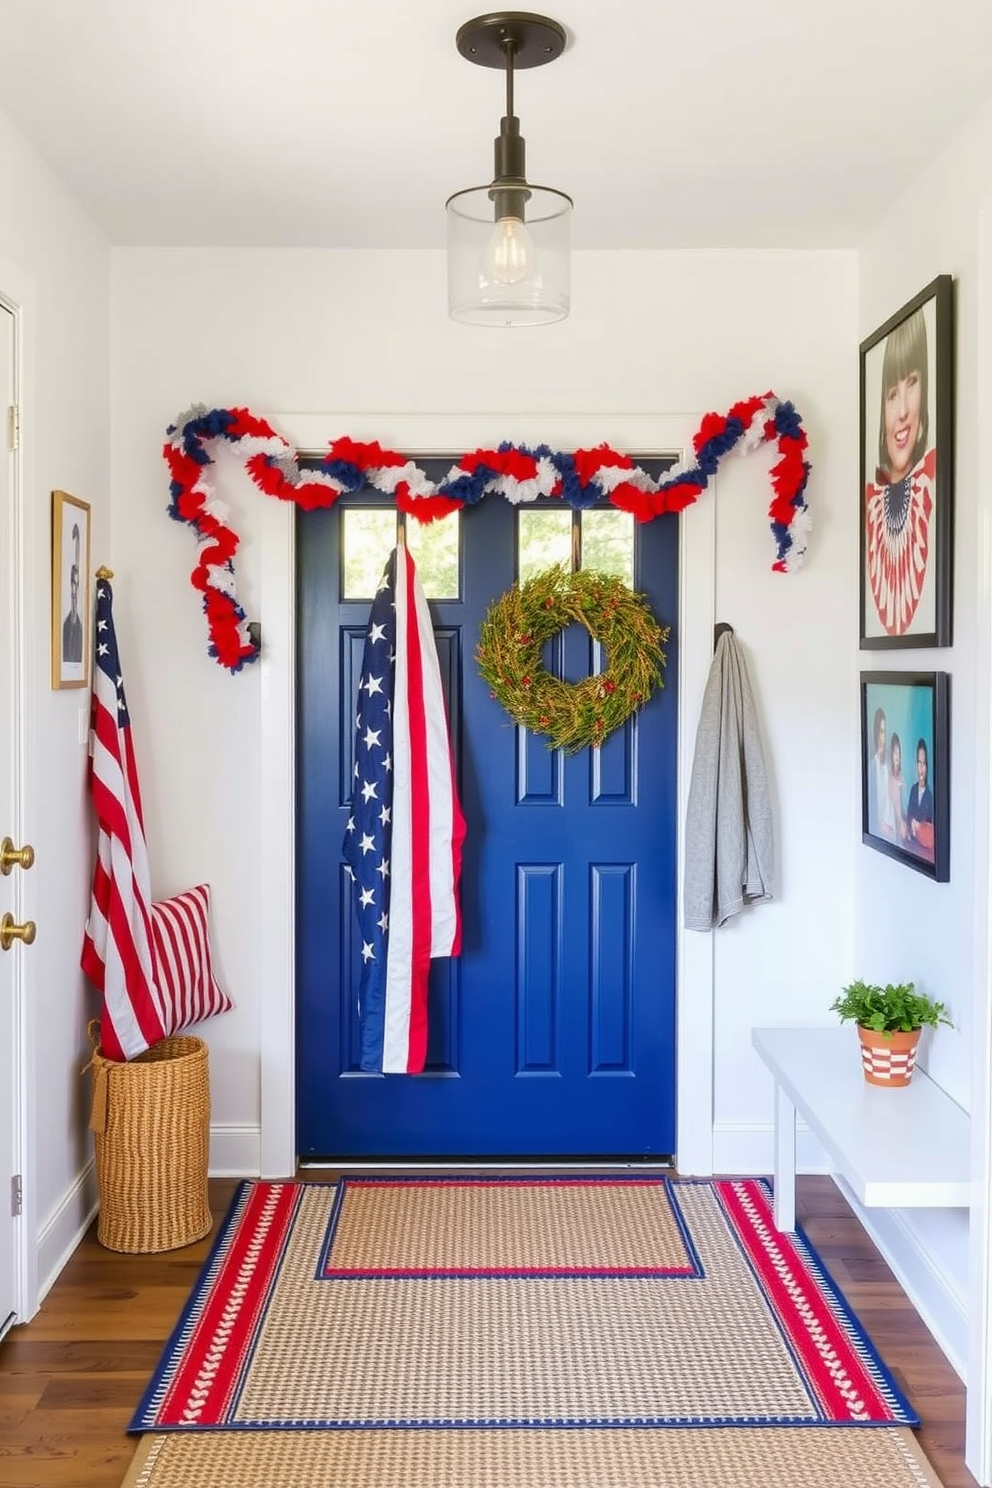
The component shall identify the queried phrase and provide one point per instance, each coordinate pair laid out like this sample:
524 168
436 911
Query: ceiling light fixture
508 242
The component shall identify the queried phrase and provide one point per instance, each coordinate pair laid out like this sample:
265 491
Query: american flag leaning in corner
117 952
405 829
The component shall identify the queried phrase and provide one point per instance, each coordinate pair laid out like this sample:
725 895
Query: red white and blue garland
514 471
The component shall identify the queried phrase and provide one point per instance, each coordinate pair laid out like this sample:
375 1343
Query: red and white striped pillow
187 988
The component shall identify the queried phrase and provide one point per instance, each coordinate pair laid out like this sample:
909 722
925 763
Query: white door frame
422 435
17 295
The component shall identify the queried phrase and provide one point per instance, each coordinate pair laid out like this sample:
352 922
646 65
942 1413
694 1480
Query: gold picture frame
71 620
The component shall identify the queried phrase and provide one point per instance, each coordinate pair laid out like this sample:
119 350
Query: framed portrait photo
907 474
71 623
905 762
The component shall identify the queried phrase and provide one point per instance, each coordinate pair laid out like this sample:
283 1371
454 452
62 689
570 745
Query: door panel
553 1033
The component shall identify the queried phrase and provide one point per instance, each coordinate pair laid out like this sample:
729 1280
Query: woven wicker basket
151 1120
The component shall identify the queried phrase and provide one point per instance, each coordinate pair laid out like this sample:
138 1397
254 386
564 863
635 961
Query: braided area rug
760 1457
279 1335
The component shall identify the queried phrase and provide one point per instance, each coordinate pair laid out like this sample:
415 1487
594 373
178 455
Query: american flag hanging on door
405 829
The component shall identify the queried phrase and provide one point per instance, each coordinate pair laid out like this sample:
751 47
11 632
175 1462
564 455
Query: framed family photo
907 474
71 625
905 761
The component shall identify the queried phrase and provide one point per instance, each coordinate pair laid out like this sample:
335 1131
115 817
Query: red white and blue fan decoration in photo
897 542
512 470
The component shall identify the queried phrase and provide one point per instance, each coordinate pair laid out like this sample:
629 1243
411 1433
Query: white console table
902 1148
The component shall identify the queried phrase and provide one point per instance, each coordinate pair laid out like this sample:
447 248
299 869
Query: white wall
367 333
56 264
906 927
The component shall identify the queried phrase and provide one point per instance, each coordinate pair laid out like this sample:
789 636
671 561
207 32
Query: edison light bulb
509 255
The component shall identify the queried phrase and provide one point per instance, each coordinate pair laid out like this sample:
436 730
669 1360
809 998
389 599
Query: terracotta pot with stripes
888 1058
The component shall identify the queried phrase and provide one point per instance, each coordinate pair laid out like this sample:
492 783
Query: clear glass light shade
510 271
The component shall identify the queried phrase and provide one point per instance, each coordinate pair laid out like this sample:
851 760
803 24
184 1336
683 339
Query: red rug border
211 1326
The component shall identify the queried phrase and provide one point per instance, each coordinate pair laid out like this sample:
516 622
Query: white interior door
10 897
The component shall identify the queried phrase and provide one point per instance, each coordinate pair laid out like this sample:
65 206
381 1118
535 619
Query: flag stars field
403 785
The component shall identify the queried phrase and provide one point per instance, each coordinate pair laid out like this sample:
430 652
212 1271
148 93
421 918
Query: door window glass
368 538
608 543
543 538
434 546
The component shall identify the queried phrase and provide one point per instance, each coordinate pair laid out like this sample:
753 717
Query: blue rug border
645 1180
845 1314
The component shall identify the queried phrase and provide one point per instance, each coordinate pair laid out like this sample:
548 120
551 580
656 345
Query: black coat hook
721 628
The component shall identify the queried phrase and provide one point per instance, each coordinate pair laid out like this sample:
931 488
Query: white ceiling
314 123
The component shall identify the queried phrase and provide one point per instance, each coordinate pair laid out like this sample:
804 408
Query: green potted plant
890 1020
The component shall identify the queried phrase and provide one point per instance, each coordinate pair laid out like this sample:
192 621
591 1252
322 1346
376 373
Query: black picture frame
907 528
915 711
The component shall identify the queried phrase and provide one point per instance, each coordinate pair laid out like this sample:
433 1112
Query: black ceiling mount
533 39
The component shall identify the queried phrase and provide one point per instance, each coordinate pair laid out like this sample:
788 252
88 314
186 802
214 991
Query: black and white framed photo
905 762
71 624
907 474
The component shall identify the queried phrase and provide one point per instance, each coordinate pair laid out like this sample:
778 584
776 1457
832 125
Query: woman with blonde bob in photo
899 501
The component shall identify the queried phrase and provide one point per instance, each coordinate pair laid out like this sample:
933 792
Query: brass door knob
15 857
9 932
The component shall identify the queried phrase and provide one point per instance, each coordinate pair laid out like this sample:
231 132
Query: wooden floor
71 1379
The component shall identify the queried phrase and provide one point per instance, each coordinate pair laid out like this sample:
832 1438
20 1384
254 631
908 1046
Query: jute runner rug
437 1227
731 1457
313 1313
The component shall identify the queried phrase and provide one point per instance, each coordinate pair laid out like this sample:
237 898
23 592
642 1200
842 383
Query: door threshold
513 1164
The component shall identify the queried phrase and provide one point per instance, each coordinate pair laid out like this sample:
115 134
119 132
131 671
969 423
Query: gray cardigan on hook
729 839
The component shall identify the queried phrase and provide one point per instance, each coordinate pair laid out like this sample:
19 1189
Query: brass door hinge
13 427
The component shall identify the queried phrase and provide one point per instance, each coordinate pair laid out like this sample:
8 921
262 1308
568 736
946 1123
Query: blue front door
553 1035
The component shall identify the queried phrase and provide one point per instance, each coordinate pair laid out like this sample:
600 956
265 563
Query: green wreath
573 715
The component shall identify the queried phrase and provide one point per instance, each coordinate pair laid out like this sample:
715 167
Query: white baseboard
59 1236
236 1152
747 1148
933 1293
